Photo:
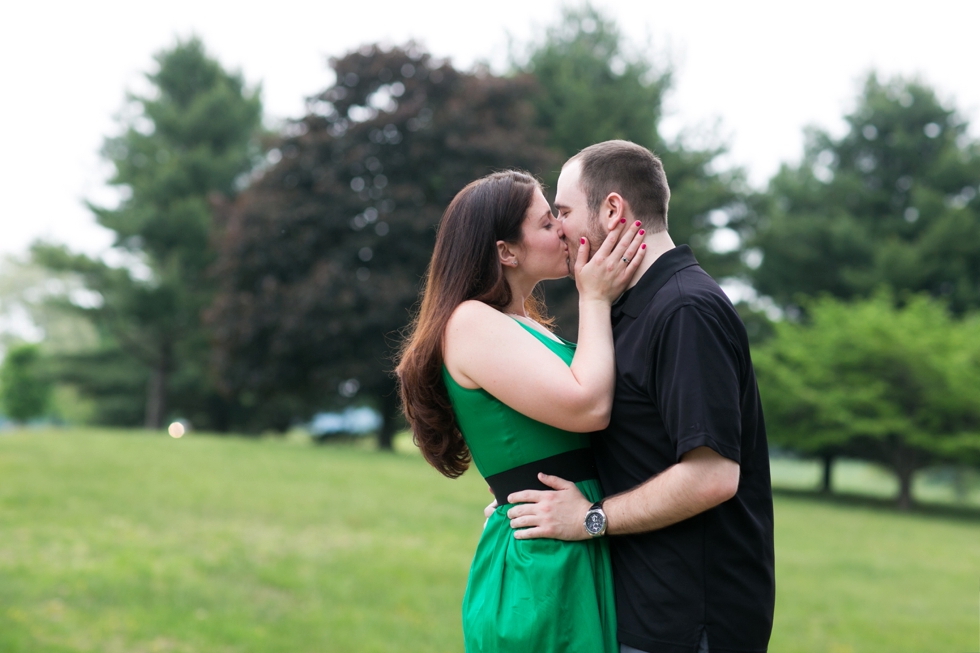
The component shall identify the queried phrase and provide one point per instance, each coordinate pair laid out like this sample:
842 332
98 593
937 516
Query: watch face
594 522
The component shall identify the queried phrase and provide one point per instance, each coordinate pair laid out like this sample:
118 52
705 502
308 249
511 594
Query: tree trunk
905 465
220 413
156 391
389 425
905 488
826 486
156 398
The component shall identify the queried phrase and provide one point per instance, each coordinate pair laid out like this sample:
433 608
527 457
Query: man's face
573 213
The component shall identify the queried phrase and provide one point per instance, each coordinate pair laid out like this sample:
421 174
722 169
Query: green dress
530 596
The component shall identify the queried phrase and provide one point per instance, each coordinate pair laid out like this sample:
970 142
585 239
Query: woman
483 379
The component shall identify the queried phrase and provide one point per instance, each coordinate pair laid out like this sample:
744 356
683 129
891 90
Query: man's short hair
631 170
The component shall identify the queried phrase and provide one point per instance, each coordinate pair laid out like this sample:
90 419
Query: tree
321 258
893 201
867 379
24 388
593 85
194 135
25 313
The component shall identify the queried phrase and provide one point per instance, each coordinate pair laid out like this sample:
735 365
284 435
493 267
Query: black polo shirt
684 379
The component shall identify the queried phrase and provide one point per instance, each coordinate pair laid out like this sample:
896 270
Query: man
684 461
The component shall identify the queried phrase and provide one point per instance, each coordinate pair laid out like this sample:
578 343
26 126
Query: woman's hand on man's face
611 268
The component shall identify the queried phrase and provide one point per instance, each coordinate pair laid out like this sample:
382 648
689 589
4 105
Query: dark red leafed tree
320 260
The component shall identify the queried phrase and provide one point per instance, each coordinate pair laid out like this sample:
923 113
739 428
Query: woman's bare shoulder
470 327
473 315
475 325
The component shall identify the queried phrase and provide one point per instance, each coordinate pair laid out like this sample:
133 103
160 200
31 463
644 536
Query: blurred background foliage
897 383
25 392
893 202
260 276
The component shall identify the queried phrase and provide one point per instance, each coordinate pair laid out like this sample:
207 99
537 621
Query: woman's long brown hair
465 265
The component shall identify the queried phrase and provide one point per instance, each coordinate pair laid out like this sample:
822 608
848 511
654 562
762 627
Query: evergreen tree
592 84
193 136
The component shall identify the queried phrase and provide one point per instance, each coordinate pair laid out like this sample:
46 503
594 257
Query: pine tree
193 136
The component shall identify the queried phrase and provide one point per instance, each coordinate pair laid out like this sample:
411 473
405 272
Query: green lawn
115 541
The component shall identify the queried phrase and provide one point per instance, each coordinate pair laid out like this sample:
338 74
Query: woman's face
544 253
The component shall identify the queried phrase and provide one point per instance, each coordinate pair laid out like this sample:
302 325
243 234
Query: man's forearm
701 481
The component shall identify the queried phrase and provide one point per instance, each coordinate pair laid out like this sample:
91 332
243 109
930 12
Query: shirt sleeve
696 384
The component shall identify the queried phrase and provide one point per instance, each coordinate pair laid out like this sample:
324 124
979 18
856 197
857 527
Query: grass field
132 542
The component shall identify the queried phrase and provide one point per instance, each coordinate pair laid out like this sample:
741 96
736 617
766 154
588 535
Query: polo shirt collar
670 263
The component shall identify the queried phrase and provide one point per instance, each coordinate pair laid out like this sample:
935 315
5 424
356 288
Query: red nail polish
623 220
642 232
637 223
583 241
643 246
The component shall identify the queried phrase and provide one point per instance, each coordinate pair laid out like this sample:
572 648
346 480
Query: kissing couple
633 509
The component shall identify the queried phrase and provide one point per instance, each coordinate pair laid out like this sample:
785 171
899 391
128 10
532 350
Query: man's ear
614 209
507 255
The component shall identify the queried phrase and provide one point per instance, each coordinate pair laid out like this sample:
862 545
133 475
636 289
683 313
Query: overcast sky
759 71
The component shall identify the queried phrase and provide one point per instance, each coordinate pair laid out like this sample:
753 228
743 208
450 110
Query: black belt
577 465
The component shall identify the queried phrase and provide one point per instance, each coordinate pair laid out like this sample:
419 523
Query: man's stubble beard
594 234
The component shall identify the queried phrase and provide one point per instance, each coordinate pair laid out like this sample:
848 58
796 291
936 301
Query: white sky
760 70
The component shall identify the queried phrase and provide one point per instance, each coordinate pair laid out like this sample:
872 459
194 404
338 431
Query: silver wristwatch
595 520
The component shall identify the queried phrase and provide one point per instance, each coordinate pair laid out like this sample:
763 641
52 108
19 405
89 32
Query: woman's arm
485 348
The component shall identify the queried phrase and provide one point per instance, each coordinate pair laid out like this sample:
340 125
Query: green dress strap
499 437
